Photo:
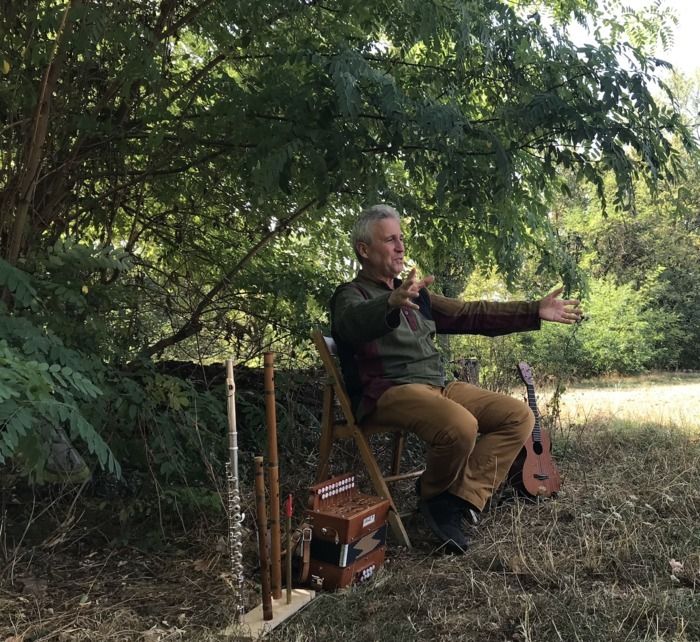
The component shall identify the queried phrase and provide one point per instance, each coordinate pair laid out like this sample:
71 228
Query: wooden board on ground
253 626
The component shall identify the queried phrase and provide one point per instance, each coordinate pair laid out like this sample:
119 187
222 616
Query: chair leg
399 438
380 486
398 528
326 439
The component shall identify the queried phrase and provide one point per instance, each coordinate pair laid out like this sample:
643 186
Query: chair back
328 351
332 430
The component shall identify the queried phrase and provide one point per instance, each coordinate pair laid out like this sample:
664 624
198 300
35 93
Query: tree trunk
20 198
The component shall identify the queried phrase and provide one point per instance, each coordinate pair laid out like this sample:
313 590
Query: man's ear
362 249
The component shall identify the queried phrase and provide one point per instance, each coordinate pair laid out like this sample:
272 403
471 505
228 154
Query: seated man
384 329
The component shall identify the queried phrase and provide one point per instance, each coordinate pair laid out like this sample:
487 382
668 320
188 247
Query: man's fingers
424 282
411 283
410 288
408 282
571 316
555 293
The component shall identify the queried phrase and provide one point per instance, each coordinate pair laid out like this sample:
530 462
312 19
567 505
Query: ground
615 557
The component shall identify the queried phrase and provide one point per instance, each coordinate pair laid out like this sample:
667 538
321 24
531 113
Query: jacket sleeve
356 320
489 318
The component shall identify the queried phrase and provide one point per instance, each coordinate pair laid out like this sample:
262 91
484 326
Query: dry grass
672 401
616 557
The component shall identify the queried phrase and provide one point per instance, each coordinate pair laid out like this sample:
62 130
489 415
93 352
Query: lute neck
532 402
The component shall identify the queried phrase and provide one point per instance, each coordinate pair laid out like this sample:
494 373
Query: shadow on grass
615 557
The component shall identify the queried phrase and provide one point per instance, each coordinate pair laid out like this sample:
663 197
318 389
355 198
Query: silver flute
235 515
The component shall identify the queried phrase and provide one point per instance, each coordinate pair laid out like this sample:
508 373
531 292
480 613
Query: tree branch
193 324
26 183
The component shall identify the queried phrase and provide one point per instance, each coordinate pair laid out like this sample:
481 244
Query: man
384 330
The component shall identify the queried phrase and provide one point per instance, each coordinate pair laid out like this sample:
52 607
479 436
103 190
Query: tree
197 133
219 147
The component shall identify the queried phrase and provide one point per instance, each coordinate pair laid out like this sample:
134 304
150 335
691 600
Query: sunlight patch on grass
664 403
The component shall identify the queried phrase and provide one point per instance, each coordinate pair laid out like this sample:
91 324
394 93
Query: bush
61 368
620 334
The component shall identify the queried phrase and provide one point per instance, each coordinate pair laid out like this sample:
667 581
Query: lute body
534 472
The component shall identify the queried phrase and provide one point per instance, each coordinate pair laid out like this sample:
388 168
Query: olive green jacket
380 348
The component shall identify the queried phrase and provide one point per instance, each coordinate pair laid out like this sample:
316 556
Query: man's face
383 257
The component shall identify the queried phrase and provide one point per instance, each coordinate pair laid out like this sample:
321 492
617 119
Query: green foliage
647 25
44 384
225 149
19 284
44 380
656 251
178 180
51 374
164 425
620 334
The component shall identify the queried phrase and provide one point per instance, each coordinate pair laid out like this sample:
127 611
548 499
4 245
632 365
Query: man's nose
398 246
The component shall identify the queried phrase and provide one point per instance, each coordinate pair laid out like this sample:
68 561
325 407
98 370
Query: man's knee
522 419
458 434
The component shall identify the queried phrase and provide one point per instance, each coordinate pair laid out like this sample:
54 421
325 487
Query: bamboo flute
273 471
235 516
288 510
262 538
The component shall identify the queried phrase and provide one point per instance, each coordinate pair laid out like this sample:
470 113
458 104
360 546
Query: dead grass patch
616 557
667 400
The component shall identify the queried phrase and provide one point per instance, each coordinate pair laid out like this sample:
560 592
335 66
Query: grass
616 557
670 400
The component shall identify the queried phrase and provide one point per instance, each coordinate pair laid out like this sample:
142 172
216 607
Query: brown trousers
448 419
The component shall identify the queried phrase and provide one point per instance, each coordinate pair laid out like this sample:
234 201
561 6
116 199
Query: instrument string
536 435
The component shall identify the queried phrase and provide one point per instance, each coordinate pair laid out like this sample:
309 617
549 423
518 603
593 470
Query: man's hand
552 308
408 290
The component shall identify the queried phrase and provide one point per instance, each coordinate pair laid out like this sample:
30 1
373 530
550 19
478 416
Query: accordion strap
305 552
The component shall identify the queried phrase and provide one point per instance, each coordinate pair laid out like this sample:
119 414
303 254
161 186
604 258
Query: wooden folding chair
333 429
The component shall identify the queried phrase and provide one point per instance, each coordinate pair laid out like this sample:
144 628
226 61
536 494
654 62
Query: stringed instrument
534 473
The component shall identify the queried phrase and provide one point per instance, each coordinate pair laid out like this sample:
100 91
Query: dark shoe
471 514
444 516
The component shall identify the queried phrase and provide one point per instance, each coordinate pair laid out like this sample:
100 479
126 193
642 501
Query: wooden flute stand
272 611
276 606
253 626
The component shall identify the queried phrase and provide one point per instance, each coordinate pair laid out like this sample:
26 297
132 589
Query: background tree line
177 181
